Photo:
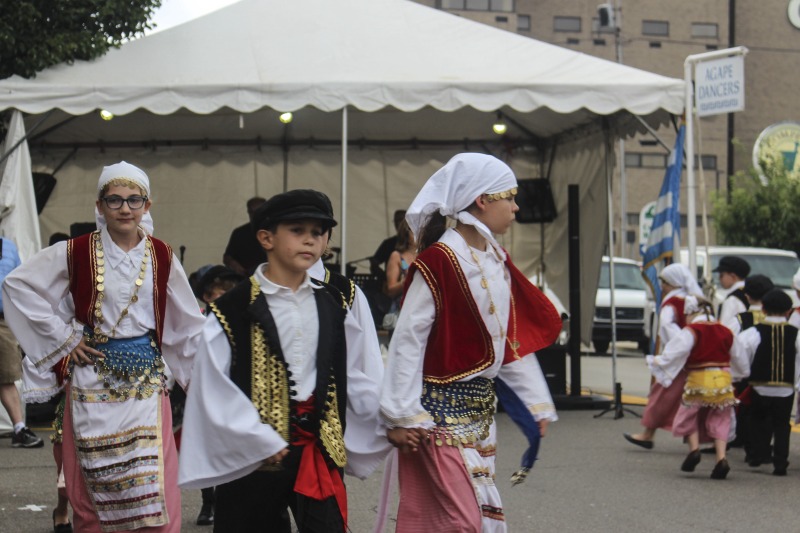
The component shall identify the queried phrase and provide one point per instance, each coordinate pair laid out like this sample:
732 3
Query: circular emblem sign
777 142
794 13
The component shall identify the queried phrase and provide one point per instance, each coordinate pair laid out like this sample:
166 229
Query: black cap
213 274
757 285
299 204
734 265
776 302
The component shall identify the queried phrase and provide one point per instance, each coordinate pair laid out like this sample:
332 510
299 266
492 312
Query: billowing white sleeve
667 325
223 438
183 324
526 379
740 360
39 310
365 435
731 307
402 384
666 366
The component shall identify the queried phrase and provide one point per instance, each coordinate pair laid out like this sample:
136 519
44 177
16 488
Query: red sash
315 478
82 264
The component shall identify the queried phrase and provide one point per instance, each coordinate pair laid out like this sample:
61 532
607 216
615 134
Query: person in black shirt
243 253
377 262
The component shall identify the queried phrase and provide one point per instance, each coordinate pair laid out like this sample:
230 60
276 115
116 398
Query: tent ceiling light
286 118
106 115
499 127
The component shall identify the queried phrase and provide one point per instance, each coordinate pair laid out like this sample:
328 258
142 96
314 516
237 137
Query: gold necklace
514 344
99 336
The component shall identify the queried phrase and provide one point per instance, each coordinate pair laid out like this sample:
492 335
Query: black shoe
646 444
206 516
25 438
780 468
691 461
721 469
61 528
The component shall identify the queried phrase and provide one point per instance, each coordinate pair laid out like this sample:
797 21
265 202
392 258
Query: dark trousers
259 502
769 419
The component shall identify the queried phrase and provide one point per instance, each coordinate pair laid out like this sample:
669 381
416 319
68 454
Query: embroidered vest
82 264
459 344
345 285
712 346
748 319
739 295
676 302
773 362
260 370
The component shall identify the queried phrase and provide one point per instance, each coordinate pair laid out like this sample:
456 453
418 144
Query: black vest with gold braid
345 285
748 319
260 370
773 362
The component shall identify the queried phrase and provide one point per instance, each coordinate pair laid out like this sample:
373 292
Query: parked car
632 301
778 265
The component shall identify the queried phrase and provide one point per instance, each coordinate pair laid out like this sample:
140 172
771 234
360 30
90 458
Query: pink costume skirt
436 492
84 517
712 423
663 403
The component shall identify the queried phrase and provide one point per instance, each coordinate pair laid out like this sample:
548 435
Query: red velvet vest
82 263
676 302
712 345
459 344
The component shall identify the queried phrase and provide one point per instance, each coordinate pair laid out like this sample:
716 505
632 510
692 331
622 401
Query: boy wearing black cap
732 272
284 385
755 287
772 348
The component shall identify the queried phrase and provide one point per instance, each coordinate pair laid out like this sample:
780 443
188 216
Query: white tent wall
199 197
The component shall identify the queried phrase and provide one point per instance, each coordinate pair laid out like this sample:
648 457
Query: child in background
702 350
772 348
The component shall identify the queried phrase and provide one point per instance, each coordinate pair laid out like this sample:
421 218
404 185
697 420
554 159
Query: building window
709 162
633 160
572 24
712 47
503 19
655 44
703 30
523 23
599 42
478 5
573 40
655 27
654 161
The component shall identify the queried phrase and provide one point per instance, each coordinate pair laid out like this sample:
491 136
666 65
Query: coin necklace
101 337
514 344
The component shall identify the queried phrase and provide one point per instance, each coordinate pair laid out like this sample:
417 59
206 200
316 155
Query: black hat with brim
776 302
215 274
299 204
734 265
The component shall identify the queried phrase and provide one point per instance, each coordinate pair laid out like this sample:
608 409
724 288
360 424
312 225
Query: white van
633 303
778 265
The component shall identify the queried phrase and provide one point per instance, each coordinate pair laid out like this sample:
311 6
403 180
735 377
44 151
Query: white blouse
402 386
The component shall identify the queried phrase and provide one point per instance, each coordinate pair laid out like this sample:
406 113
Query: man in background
243 253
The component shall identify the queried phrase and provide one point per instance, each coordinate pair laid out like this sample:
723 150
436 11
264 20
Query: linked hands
407 439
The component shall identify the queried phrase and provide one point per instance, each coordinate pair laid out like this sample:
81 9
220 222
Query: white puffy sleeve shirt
402 386
40 311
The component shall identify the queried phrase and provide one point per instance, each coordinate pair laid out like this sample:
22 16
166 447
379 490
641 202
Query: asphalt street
587 478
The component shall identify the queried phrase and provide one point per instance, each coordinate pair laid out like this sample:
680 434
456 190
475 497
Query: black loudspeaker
76 229
553 361
43 185
535 201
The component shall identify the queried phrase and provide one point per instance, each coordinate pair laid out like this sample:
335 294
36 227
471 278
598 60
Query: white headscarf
123 170
796 280
678 275
455 186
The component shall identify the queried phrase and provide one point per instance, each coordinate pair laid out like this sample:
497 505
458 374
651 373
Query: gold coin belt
131 368
99 319
462 411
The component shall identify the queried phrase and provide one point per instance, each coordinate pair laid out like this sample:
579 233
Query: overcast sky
174 12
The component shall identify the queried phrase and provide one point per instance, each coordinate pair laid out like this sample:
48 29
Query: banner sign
719 86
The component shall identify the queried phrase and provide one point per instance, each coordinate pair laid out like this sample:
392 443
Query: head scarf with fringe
124 171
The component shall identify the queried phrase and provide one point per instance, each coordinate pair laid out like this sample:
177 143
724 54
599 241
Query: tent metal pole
343 215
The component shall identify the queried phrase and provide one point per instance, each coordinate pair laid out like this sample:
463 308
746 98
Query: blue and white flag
665 233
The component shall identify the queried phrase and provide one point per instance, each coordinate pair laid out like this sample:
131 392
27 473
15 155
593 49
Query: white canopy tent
197 106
